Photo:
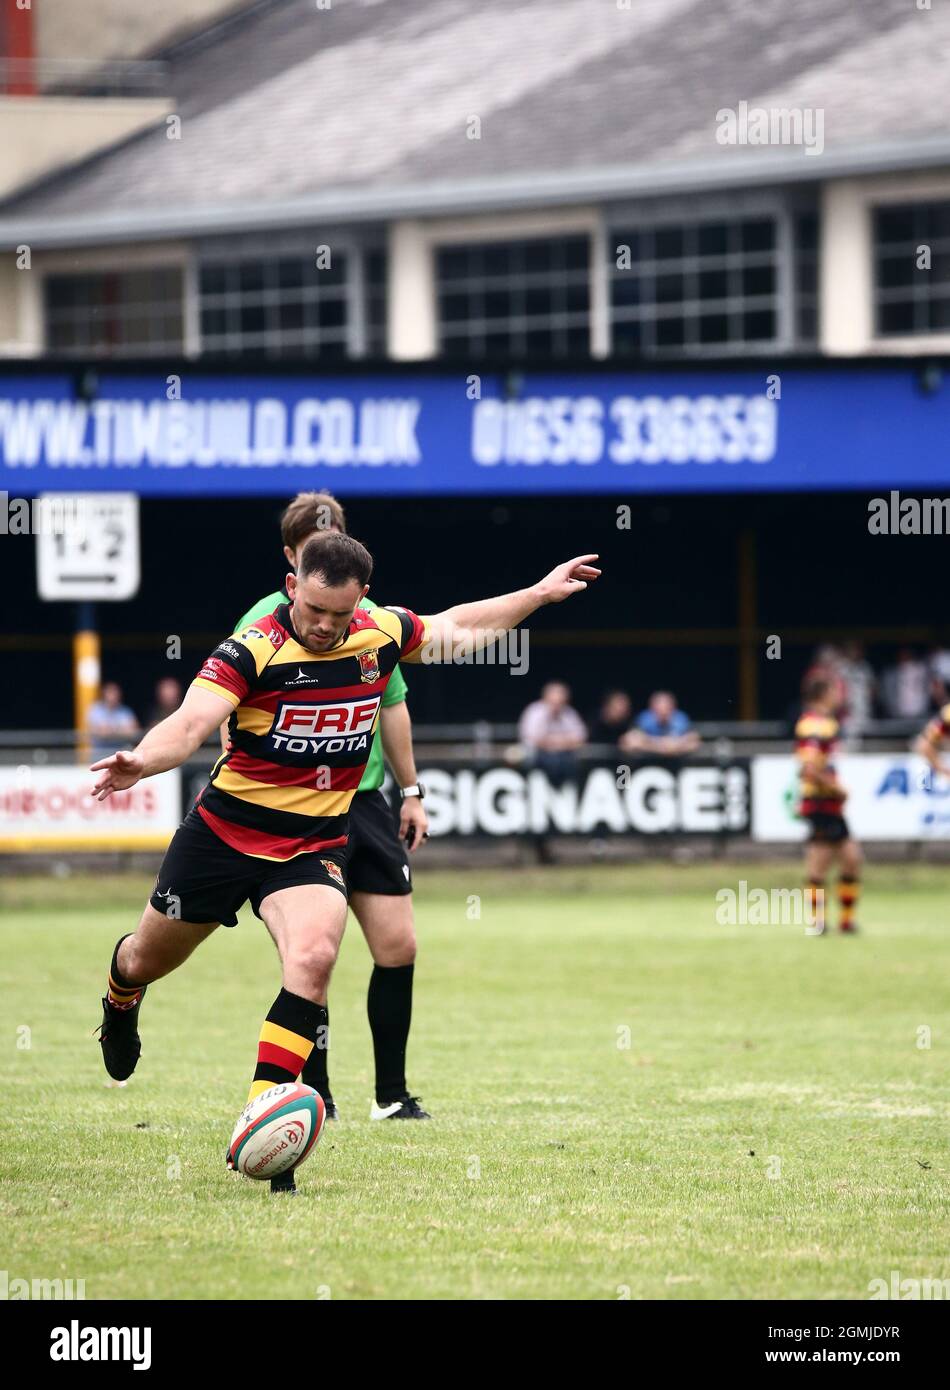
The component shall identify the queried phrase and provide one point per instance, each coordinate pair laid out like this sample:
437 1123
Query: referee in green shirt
377 862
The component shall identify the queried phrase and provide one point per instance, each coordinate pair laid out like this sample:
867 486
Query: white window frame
252 246
784 208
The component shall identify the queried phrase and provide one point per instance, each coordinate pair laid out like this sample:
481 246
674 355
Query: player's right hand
569 578
119 772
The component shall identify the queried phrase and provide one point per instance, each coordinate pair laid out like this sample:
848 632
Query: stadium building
772 183
746 209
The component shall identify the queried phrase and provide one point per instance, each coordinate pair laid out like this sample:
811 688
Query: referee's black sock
389 1005
315 1068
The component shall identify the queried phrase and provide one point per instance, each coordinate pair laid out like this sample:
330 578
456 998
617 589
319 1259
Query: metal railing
484 739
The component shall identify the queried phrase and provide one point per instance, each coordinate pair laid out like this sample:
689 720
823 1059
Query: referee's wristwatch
416 789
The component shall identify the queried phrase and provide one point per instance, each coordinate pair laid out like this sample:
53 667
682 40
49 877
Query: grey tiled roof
292 101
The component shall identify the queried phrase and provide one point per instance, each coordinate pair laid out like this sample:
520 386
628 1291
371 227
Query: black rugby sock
315 1068
389 1005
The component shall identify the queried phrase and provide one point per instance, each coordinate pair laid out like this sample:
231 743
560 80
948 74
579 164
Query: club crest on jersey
369 667
334 870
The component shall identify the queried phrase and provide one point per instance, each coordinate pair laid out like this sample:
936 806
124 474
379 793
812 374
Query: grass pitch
630 1100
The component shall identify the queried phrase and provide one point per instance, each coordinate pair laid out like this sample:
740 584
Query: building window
374 274
526 298
277 306
912 268
131 313
806 278
690 288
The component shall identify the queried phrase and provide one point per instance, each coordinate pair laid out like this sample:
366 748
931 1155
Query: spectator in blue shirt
111 723
661 728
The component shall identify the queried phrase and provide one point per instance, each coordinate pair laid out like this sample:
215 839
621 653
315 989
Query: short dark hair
309 512
337 558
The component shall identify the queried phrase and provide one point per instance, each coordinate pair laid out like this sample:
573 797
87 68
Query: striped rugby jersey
302 728
816 738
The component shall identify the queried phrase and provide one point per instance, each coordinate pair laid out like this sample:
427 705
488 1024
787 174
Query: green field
773 1128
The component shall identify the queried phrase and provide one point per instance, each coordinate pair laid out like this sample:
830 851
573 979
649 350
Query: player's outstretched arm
479 624
168 745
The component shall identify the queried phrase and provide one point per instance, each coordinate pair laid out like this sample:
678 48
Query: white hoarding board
700 799
49 808
891 796
87 546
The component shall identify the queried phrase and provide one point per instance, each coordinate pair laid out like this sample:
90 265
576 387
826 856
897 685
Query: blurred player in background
821 803
931 742
377 865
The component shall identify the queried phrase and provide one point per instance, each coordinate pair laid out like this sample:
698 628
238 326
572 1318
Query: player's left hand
569 578
413 823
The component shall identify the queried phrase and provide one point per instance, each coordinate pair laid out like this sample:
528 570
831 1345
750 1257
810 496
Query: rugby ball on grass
277 1130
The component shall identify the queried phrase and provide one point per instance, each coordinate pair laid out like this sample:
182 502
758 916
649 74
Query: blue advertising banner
800 429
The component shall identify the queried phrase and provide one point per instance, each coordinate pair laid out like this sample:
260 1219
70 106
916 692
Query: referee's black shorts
375 858
204 880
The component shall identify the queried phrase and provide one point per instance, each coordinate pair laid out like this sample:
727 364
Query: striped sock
120 993
815 902
849 890
287 1038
